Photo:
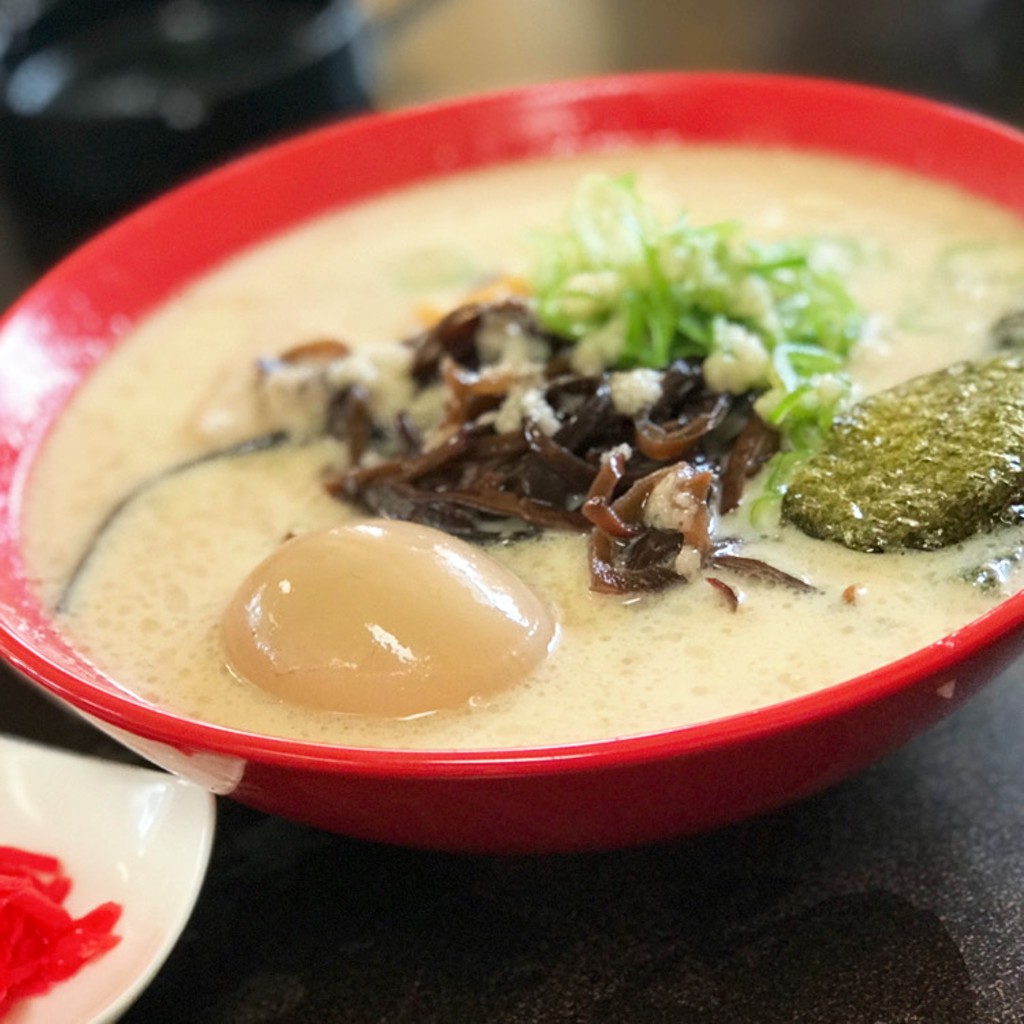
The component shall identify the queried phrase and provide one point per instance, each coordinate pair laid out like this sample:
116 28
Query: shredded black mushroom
643 485
756 568
729 595
1008 331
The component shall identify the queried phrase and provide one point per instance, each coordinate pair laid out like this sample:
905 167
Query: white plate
133 835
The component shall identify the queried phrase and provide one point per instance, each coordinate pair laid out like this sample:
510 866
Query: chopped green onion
774 319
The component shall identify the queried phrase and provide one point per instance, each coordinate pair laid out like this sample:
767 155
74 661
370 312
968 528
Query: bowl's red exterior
587 796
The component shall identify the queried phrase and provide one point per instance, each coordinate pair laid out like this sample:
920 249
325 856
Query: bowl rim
903 130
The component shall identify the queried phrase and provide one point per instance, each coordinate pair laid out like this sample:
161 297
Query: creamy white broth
147 608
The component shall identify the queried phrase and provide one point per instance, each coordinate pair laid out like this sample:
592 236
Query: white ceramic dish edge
138 836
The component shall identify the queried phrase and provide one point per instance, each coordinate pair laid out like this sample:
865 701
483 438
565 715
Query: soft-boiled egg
380 617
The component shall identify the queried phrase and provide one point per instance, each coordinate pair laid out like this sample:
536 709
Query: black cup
105 103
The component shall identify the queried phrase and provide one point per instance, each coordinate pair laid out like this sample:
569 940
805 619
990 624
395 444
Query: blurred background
104 103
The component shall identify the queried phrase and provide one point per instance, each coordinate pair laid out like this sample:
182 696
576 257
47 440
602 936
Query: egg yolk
384 618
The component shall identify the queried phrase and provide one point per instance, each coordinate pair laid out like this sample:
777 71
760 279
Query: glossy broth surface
935 268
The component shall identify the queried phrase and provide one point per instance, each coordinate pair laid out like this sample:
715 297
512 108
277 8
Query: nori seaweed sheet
922 465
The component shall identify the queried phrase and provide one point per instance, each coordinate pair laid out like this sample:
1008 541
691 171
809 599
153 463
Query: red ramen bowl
580 796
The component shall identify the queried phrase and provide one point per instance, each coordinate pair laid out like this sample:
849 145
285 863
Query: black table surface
895 898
